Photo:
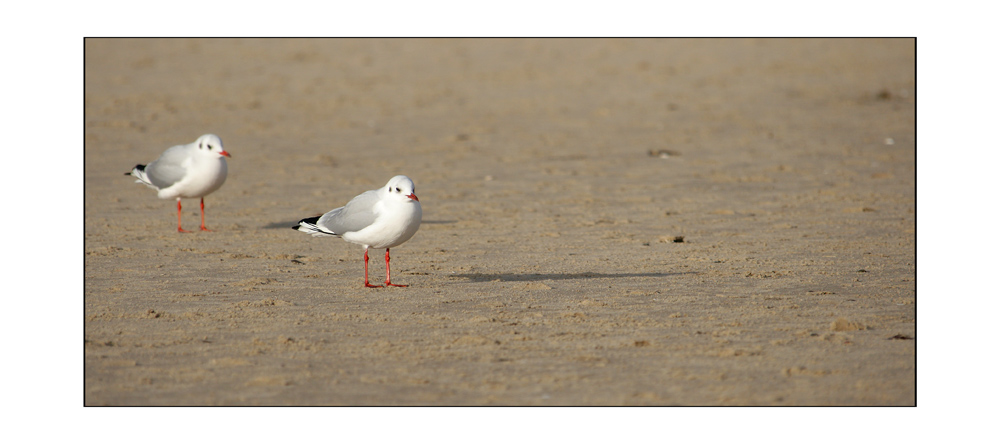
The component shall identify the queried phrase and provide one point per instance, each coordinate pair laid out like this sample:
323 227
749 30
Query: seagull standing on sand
193 170
382 218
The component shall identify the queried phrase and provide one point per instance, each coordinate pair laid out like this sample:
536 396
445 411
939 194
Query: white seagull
382 218
193 170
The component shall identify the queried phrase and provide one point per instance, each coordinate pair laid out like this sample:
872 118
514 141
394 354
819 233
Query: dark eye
210 147
397 189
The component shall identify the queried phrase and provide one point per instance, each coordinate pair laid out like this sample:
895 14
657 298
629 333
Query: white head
400 187
210 144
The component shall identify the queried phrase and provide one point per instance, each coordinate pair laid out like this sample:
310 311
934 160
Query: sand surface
546 271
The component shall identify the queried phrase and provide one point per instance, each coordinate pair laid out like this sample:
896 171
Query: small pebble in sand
663 154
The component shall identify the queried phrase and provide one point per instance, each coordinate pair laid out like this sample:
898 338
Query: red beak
224 153
414 197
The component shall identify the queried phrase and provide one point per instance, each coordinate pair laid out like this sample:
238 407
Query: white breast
203 177
396 223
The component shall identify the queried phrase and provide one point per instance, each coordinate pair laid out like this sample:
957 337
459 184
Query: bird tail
311 225
140 173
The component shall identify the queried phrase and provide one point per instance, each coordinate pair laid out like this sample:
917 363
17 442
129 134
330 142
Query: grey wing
169 168
355 216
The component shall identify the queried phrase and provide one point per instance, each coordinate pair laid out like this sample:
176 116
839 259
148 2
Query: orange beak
414 197
224 153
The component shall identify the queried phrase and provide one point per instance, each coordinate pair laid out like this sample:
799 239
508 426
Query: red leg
366 272
387 283
179 229
203 215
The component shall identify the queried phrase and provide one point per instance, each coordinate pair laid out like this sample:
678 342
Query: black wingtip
139 167
308 220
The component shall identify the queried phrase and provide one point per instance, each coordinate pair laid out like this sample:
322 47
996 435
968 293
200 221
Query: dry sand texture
546 271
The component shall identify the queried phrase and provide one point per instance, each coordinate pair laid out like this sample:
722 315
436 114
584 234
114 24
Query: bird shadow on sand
288 224
513 277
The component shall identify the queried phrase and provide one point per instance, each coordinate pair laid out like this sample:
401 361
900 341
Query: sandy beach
606 222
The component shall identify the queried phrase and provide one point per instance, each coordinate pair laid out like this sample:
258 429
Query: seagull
192 170
382 218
